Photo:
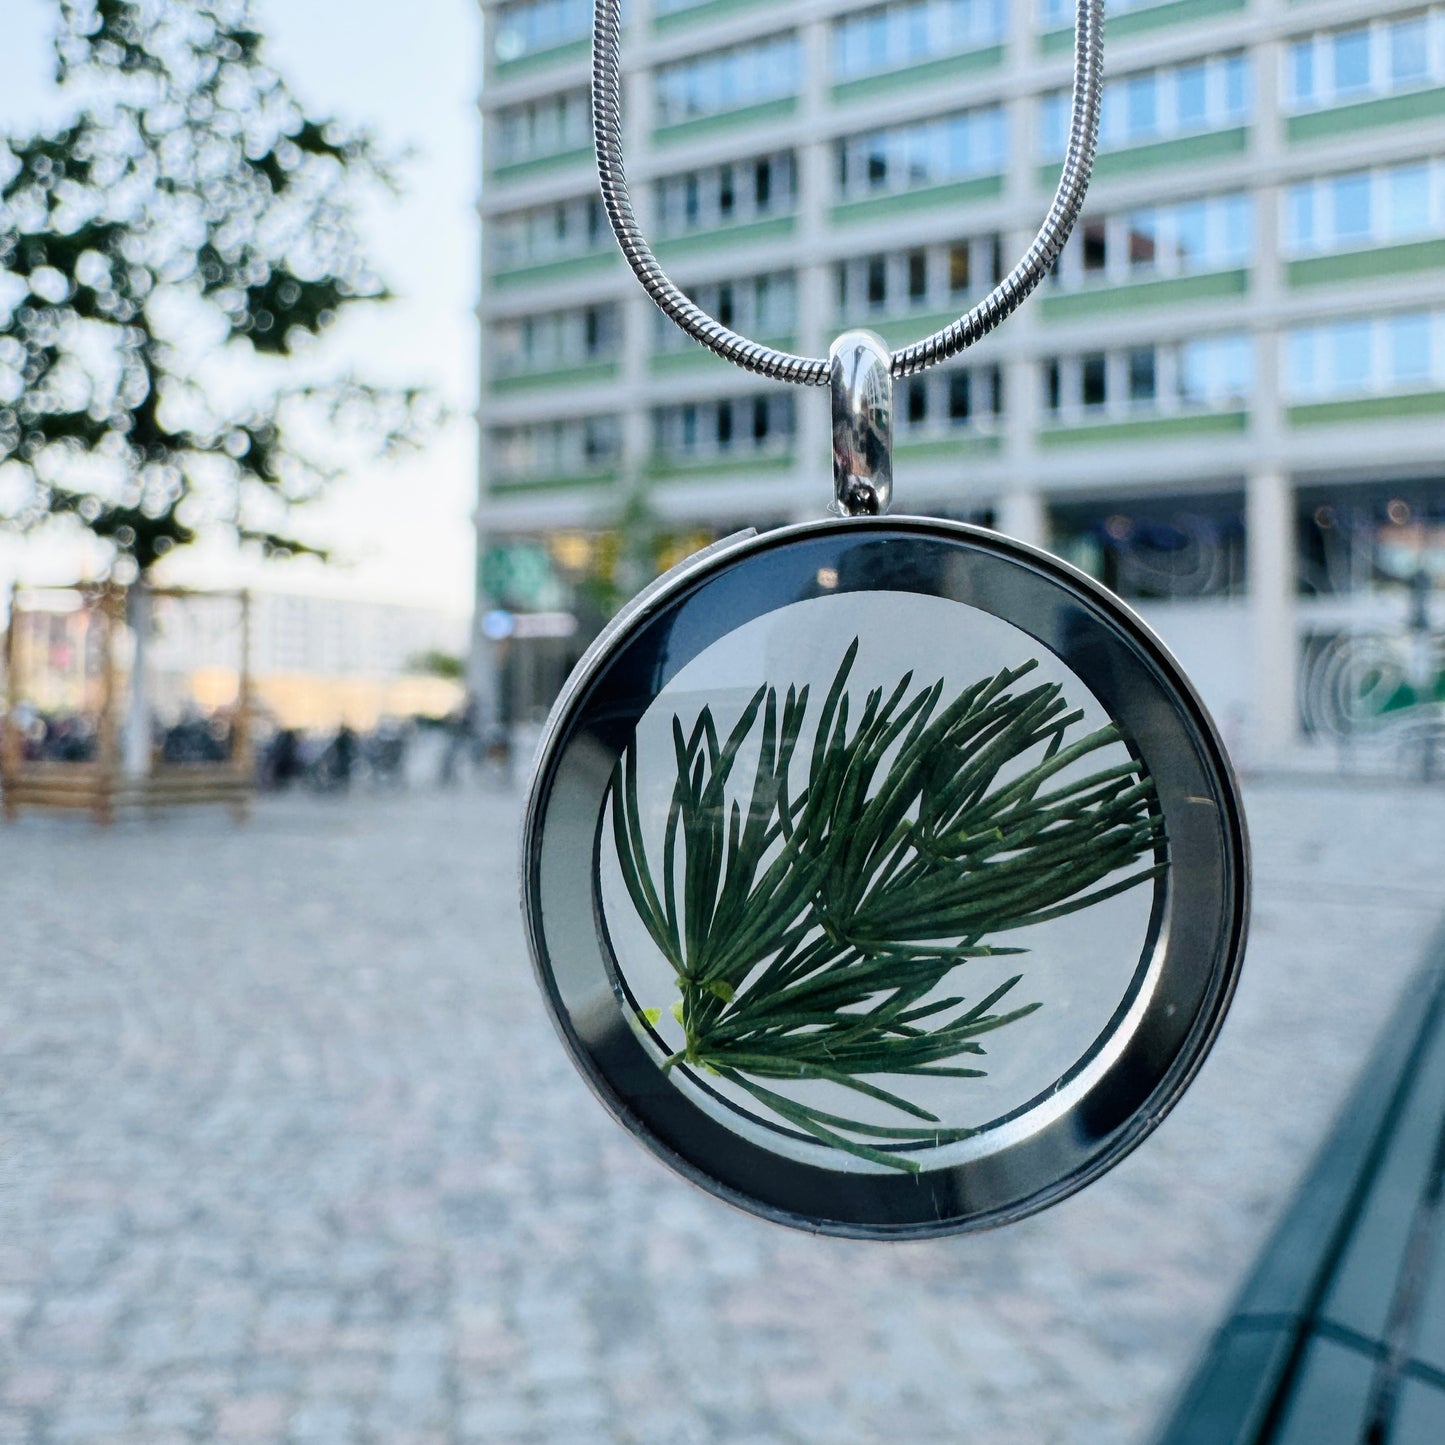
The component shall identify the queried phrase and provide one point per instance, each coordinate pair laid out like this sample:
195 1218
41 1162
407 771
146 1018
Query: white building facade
1228 403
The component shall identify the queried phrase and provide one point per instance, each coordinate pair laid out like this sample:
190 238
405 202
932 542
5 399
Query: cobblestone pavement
288 1152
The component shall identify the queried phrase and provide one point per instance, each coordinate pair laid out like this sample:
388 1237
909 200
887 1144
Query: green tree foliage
434 663
168 258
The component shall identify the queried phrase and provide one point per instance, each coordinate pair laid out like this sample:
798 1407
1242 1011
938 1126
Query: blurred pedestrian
463 740
283 759
386 753
343 757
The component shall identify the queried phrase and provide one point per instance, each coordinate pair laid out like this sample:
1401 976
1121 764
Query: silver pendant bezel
1140 1069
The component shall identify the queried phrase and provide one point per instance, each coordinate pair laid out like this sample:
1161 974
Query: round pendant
884 876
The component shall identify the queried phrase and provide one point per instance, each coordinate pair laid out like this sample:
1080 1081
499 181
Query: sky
401 529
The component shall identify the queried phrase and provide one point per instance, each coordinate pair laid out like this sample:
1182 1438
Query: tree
436 663
167 261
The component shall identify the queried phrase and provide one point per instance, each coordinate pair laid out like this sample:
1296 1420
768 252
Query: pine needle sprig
808 932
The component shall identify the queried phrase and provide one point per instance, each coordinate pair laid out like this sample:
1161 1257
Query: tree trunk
135 736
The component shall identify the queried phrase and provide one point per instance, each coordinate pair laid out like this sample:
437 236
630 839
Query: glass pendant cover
885 877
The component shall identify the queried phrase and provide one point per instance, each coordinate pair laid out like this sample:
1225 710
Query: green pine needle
808 931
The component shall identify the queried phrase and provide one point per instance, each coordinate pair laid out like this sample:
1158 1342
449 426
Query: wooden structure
100 784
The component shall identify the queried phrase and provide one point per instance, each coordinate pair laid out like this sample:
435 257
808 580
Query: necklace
883 875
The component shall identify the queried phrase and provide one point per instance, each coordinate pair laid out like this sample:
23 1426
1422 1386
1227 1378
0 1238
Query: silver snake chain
1002 301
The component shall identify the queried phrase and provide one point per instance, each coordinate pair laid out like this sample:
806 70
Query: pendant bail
861 381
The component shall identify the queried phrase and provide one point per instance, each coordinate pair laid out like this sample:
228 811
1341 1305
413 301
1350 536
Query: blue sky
411 72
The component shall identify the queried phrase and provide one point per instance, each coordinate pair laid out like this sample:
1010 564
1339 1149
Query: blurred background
332 429
1224 405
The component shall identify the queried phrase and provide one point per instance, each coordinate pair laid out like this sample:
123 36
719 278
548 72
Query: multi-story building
314 661
1228 402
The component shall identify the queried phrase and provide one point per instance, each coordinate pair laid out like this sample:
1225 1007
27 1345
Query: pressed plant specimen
810 927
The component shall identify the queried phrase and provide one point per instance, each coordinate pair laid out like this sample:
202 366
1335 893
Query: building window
728 79
556 339
959 398
533 25
1384 57
877 282
1215 371
1365 208
726 195
1156 548
927 153
1208 372
599 440
549 233
1141 105
917 277
1214 233
1156 105
551 126
890 37
574 447
933 278
959 269
1357 356
1141 240
1058 14
1372 538
1142 382
759 306
940 402
729 426
1411 360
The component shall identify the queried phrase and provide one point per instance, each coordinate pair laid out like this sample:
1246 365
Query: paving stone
323 1423
292 1154
494 1419
178 1415
255 1417
88 1422
33 1385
